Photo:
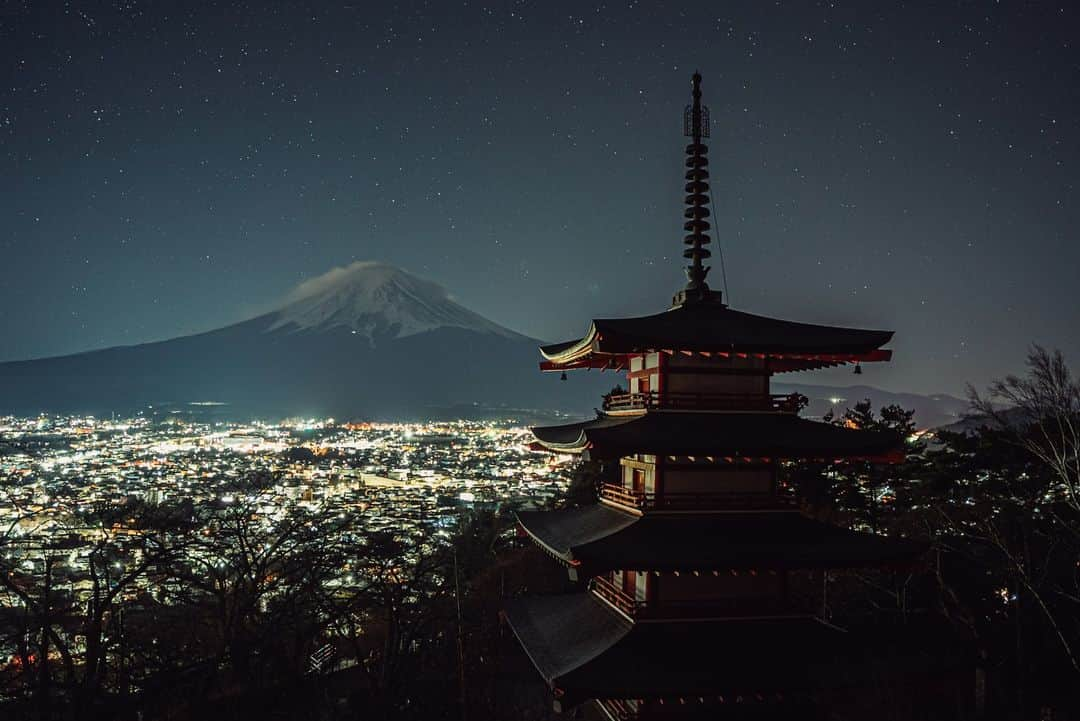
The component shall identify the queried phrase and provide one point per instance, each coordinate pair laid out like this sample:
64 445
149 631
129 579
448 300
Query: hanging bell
563 376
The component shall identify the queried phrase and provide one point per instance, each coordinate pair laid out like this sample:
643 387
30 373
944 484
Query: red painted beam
605 361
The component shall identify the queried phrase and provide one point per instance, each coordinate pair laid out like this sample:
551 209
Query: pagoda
703 580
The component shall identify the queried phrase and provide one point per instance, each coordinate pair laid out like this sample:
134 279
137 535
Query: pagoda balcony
671 610
619 709
684 401
648 501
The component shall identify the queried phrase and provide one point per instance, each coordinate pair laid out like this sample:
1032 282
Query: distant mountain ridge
931 411
368 340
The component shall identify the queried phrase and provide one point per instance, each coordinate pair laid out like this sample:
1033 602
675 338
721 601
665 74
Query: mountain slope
367 341
373 298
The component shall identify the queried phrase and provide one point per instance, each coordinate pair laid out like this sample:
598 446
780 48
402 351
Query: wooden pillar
658 477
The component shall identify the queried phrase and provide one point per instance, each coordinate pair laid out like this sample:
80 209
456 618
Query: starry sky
169 168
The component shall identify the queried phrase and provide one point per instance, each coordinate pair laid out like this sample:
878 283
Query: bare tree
396 617
1040 541
1041 411
263 583
65 583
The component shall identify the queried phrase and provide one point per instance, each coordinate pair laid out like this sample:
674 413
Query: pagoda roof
738 434
715 328
598 538
583 649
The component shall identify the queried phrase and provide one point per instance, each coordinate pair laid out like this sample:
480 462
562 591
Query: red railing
620 709
622 496
669 400
614 595
678 501
701 608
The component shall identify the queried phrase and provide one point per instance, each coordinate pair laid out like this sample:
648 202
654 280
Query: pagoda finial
696 127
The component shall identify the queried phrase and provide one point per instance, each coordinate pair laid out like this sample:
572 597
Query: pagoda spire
696 127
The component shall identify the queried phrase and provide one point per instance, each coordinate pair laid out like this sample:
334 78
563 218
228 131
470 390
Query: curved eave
580 445
788 345
572 437
777 362
570 351
584 650
731 437
595 539
557 553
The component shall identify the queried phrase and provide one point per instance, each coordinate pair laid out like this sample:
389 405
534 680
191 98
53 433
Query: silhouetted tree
260 579
70 629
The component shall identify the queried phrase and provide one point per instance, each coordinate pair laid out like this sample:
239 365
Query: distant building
698 570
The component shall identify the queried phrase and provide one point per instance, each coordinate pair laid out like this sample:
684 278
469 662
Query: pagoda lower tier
599 538
584 650
725 434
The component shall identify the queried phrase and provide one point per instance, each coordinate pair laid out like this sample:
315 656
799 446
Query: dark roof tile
779 435
602 538
717 328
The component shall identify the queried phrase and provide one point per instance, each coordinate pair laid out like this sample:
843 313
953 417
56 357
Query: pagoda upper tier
710 328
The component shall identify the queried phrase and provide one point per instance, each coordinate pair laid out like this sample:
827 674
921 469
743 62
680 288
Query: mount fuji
365 341
377 300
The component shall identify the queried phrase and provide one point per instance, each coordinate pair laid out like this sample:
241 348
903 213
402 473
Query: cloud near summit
369 272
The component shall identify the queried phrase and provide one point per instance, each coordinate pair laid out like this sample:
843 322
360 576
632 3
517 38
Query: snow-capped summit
377 299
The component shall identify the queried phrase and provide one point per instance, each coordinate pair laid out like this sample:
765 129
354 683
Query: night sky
173 167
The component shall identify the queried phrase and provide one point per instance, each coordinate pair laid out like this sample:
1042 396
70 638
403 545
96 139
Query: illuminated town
416 479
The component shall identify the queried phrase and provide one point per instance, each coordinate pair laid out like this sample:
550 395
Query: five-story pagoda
696 565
